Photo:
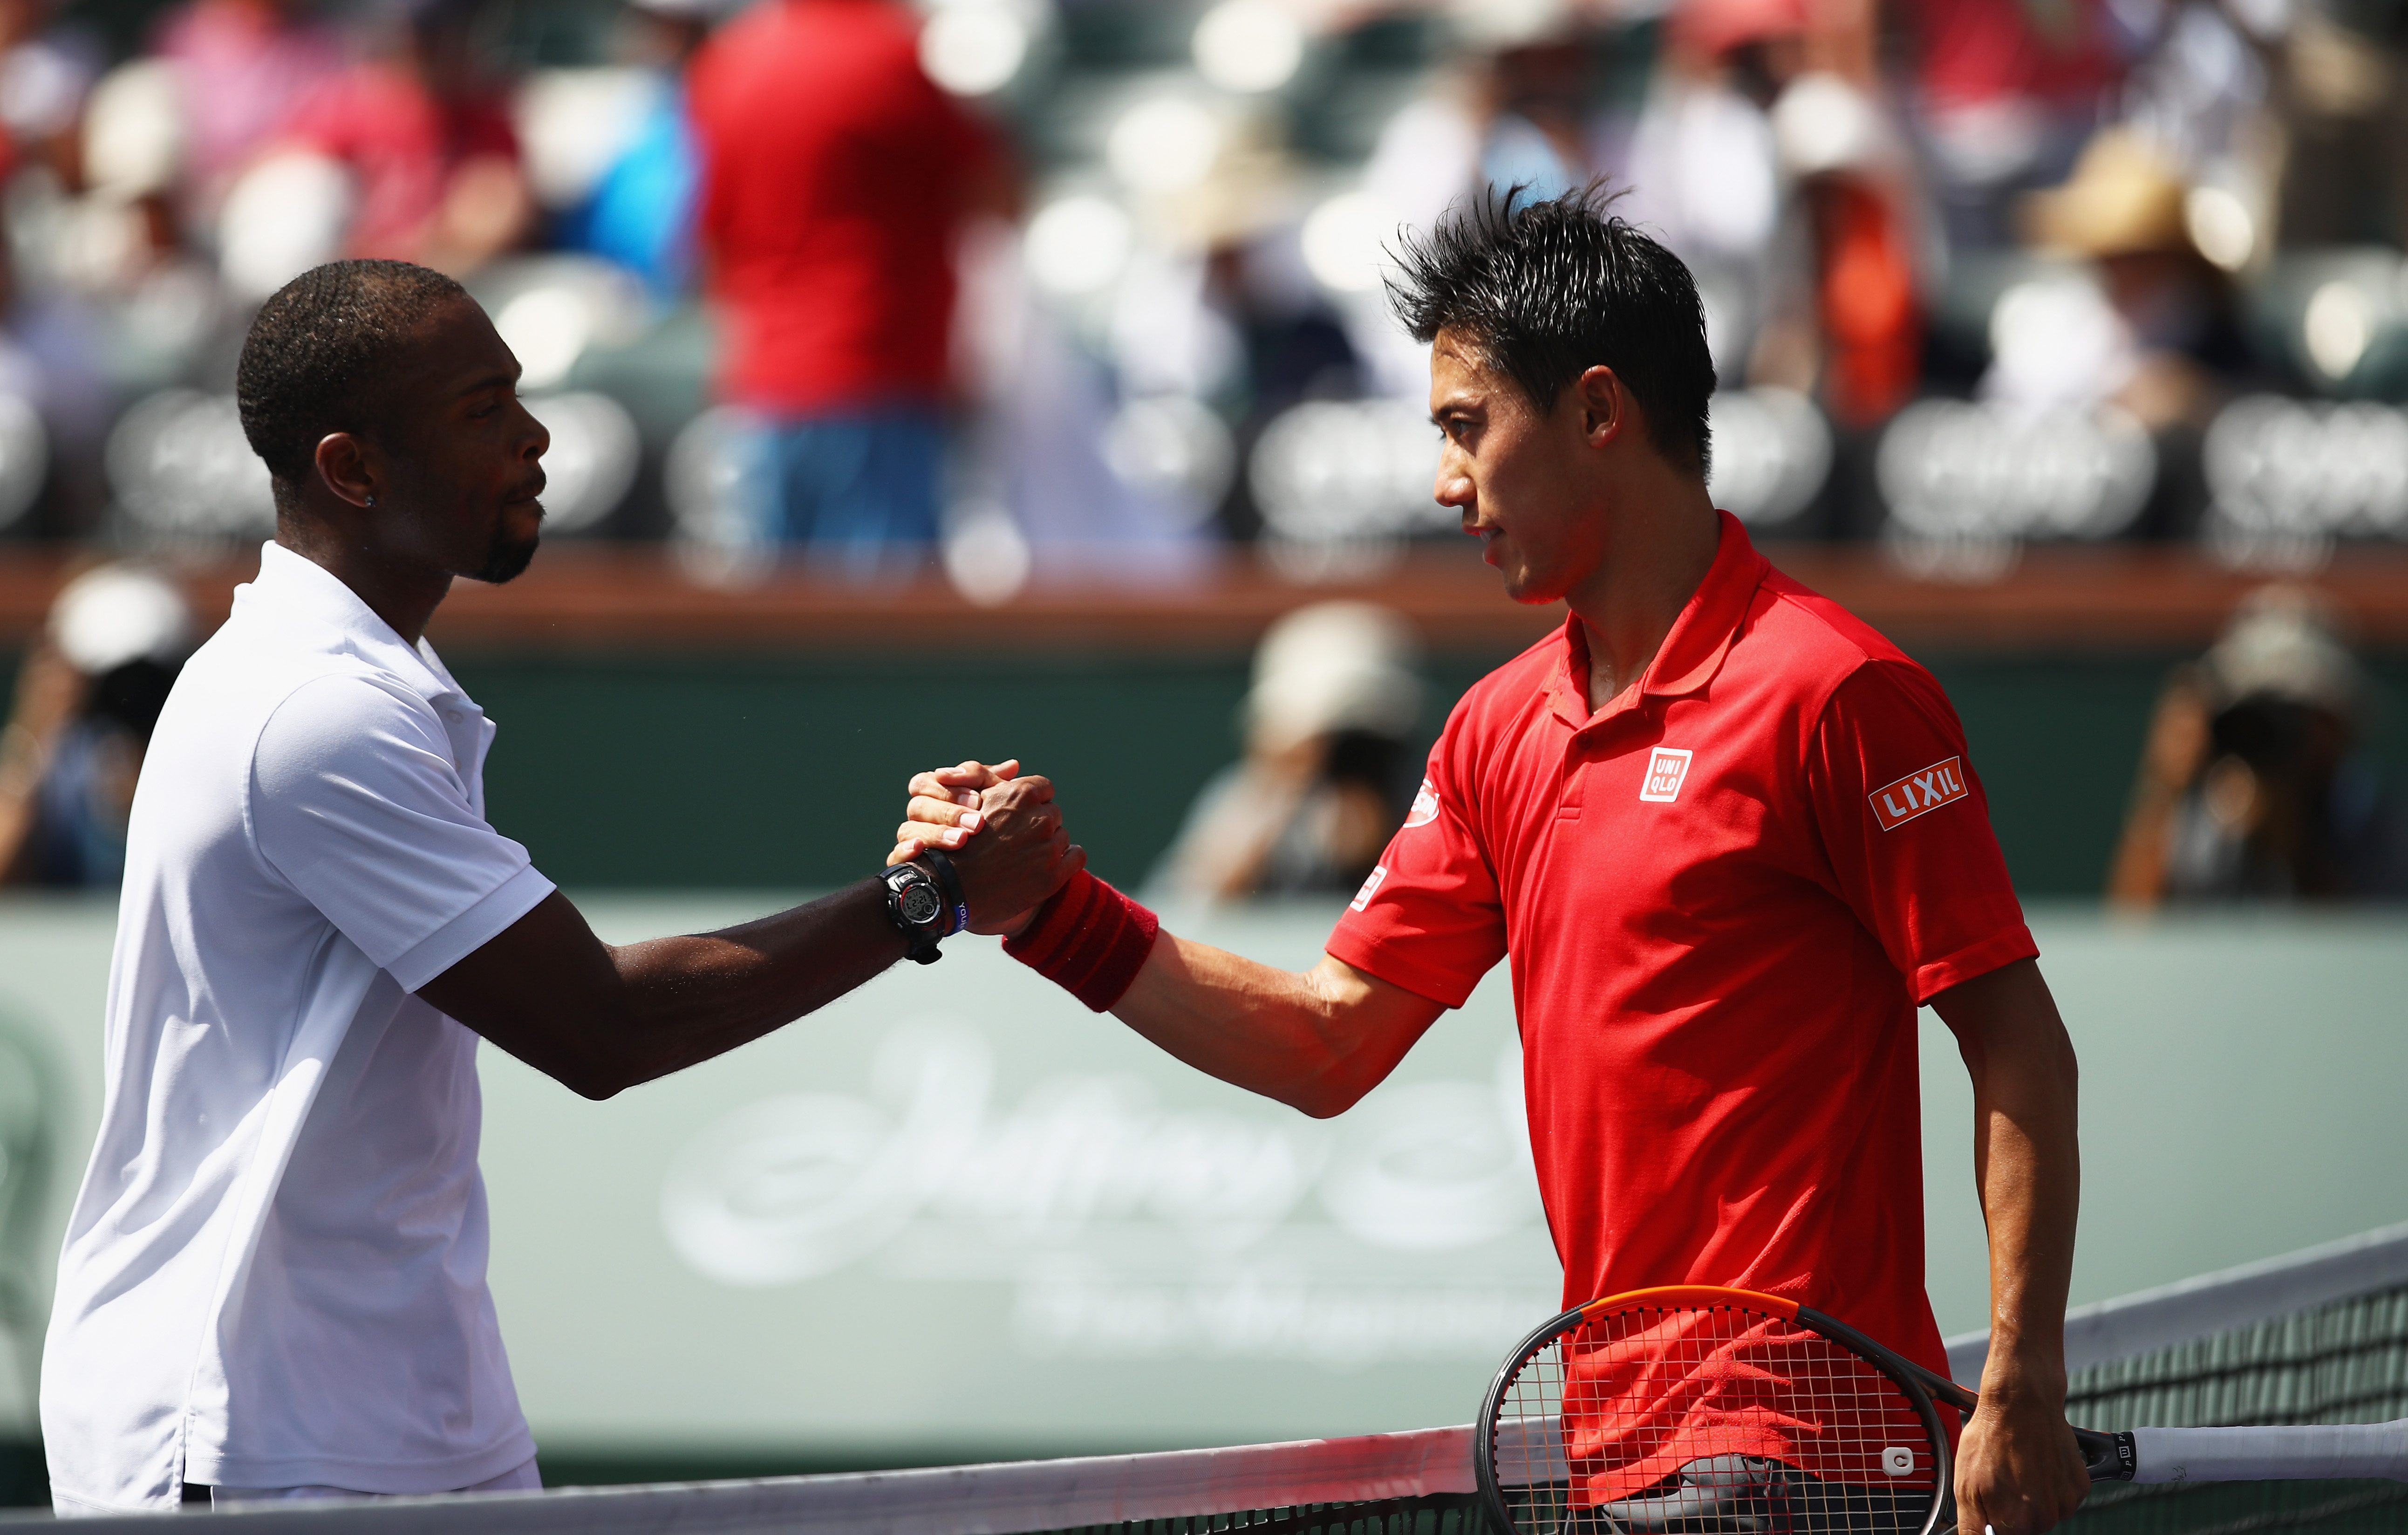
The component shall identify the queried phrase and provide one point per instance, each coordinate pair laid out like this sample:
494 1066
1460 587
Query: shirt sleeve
1907 829
357 802
1429 918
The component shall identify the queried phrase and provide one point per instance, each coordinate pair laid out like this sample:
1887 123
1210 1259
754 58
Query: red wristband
1089 939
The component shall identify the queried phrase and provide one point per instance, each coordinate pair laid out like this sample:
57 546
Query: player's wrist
2017 1373
1088 939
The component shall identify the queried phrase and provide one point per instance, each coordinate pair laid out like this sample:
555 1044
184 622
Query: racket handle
2273 1454
2108 1457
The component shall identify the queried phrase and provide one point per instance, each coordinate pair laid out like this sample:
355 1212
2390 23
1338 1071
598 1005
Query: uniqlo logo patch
1666 769
1918 793
1370 887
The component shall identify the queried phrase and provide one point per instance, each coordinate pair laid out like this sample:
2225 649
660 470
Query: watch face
921 905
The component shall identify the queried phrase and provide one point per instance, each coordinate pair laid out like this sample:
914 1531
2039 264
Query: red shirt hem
1376 957
1994 953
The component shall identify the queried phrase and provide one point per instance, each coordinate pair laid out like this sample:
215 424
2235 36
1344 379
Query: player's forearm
2031 1187
686 1000
2028 1161
599 1019
1314 1040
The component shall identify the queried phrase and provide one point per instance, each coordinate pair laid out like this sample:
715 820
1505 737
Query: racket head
1697 1407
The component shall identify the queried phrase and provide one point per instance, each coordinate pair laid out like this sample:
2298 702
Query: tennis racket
1695 1408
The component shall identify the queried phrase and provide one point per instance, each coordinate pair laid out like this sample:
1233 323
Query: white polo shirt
275 1272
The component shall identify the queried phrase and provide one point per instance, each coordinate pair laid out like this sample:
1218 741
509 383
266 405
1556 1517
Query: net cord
2146 1320
1001 1498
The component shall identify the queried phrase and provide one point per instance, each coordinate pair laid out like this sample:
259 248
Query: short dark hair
1547 290
319 350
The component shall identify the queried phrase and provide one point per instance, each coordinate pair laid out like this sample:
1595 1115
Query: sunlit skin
1575 503
448 482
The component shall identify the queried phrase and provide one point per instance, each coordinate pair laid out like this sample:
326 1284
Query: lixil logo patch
1918 793
1666 769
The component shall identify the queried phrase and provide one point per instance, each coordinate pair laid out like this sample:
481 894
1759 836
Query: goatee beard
507 560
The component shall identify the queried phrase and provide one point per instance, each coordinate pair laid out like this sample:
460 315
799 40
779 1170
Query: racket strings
1709 1417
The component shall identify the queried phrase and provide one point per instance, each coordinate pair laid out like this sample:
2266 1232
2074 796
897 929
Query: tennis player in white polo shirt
274 1278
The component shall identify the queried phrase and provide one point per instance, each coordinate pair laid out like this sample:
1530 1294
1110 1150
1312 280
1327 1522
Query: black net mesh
2342 1362
1441 1514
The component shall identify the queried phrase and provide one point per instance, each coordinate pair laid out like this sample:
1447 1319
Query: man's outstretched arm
599 1018
2017 1470
1315 1040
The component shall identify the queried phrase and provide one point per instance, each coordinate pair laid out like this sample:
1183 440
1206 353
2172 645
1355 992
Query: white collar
292 588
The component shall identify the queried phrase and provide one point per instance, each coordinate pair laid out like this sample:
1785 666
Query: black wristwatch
924 901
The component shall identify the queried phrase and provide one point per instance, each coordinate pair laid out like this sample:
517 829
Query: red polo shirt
1724 896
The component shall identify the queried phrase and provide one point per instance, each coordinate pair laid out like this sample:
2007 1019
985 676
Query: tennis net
2314 1337
1411 1484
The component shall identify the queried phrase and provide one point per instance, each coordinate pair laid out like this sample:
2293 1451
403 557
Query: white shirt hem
381 1476
472 929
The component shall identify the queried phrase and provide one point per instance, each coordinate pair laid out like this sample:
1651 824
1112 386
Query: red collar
1692 649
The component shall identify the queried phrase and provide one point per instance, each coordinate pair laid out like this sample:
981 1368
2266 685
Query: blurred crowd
1092 286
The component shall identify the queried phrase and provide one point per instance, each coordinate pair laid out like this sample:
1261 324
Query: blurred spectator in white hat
87 696
1325 779
2255 784
2161 328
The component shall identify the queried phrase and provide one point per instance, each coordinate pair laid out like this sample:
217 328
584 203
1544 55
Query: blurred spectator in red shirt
426 136
835 176
241 66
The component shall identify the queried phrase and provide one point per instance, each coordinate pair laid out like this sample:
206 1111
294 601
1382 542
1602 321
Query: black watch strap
915 904
949 880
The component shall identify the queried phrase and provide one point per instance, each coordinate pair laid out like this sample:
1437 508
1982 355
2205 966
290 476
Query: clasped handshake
1022 877
1004 832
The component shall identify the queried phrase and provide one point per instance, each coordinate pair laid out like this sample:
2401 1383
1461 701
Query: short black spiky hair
1547 290
317 352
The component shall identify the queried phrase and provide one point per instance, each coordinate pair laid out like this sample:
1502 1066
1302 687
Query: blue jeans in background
854 493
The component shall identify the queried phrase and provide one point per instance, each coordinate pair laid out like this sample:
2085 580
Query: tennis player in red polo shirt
1729 838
